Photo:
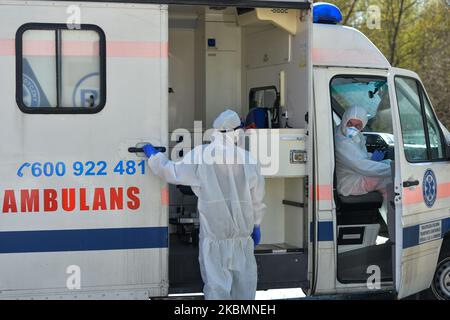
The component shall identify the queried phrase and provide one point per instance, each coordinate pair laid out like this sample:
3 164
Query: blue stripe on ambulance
83 240
325 231
411 234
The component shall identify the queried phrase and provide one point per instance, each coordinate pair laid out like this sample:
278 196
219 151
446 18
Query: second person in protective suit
358 171
230 191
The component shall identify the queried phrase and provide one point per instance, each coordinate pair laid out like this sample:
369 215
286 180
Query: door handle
410 183
136 150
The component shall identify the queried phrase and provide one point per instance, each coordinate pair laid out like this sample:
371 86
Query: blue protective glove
378 155
149 150
256 234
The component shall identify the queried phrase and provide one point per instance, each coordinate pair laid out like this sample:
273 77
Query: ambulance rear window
60 70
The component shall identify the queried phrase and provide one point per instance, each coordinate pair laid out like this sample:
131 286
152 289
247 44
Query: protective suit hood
227 120
354 112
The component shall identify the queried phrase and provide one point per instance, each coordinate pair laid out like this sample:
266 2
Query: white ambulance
84 85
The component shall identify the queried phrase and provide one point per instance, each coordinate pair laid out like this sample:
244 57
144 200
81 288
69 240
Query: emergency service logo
31 95
429 188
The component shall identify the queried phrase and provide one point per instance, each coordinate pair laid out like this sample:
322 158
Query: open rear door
421 197
82 215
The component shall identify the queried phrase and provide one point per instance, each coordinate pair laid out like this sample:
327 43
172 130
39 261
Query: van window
413 130
60 70
437 149
371 93
422 139
265 97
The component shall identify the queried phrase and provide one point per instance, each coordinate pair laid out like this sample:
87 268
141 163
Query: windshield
371 93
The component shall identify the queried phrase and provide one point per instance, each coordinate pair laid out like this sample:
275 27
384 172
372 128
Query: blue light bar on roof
327 13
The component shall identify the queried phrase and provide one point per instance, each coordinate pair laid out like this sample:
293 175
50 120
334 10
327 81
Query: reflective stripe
412 196
324 192
83 240
43 48
137 49
165 196
443 191
415 196
7 47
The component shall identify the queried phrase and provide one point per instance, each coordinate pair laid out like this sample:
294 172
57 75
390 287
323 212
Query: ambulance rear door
82 215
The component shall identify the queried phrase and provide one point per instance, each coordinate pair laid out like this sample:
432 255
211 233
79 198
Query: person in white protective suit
359 172
230 191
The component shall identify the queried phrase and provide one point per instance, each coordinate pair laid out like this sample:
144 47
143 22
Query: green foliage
413 34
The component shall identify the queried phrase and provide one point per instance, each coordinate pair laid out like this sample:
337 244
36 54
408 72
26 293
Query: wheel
440 286
441 281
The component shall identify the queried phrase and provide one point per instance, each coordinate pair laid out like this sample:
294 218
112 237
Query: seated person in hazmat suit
230 191
358 171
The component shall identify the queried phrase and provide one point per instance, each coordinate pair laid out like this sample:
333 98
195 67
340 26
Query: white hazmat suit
356 173
230 191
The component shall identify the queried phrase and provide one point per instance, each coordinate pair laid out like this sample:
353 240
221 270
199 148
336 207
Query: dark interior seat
361 209
357 203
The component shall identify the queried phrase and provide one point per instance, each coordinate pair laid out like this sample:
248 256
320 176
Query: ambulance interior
365 235
242 59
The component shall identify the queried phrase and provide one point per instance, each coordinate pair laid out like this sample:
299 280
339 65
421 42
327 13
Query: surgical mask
237 135
234 137
352 132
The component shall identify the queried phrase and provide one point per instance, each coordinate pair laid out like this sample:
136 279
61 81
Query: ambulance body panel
71 209
331 48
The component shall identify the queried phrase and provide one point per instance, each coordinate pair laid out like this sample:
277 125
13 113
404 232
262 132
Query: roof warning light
326 13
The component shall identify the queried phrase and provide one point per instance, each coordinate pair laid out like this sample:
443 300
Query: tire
440 286
441 281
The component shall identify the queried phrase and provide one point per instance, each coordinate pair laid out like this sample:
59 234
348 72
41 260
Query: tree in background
412 34
430 55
